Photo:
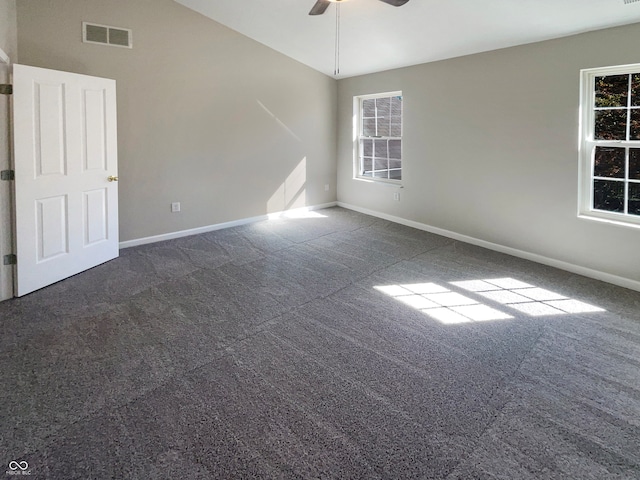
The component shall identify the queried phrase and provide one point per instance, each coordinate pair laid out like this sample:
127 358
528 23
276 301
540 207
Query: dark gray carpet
266 351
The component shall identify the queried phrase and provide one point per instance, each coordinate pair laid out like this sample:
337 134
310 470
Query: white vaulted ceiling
376 36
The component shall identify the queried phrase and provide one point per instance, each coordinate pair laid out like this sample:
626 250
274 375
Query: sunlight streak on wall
292 192
279 122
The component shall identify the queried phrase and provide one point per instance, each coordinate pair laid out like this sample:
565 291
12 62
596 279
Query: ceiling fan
321 5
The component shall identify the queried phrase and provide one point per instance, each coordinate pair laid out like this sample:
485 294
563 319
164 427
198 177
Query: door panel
95 216
52 228
65 150
49 129
95 147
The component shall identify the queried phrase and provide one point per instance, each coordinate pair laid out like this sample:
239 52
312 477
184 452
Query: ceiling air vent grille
631 1
106 35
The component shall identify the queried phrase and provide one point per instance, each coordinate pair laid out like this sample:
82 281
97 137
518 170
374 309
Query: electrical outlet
396 196
175 207
326 187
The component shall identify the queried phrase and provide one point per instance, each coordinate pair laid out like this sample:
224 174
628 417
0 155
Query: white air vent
106 35
631 1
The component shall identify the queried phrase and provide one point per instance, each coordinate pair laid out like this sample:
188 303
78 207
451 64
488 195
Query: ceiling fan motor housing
321 5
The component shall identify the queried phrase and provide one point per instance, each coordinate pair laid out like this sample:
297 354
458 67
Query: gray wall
491 149
206 116
8 35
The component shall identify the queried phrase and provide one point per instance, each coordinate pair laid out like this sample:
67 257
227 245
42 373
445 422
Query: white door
6 271
66 162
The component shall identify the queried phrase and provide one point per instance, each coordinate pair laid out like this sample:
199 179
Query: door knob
111 178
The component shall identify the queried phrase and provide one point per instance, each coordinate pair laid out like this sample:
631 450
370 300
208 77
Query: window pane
634 163
369 108
384 127
369 127
609 162
611 125
384 174
608 195
635 90
634 128
381 164
396 127
395 163
383 112
367 147
367 164
612 91
395 149
634 198
381 149
396 106
395 174
383 107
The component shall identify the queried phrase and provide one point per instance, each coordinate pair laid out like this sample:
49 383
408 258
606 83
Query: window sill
383 183
611 221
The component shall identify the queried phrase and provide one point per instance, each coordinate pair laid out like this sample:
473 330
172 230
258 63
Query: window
379 137
610 144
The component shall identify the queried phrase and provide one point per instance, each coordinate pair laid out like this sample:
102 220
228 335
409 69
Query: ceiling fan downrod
336 66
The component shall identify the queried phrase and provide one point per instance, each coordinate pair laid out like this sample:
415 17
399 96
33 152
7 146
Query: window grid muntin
361 172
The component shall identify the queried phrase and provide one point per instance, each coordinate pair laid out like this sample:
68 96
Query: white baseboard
219 226
534 257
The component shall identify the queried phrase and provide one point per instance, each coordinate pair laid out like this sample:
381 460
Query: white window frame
588 146
358 135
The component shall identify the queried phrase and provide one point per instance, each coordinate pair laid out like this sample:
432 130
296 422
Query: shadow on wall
291 193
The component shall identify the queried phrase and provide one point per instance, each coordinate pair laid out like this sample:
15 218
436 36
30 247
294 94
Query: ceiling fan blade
395 3
320 7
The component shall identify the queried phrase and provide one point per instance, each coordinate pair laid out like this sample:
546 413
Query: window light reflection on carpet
450 307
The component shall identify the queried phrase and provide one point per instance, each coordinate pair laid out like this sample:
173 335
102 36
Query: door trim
7 272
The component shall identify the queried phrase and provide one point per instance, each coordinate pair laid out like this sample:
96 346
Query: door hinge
6 89
10 259
7 175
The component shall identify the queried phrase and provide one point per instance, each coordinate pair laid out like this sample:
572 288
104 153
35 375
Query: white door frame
6 194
